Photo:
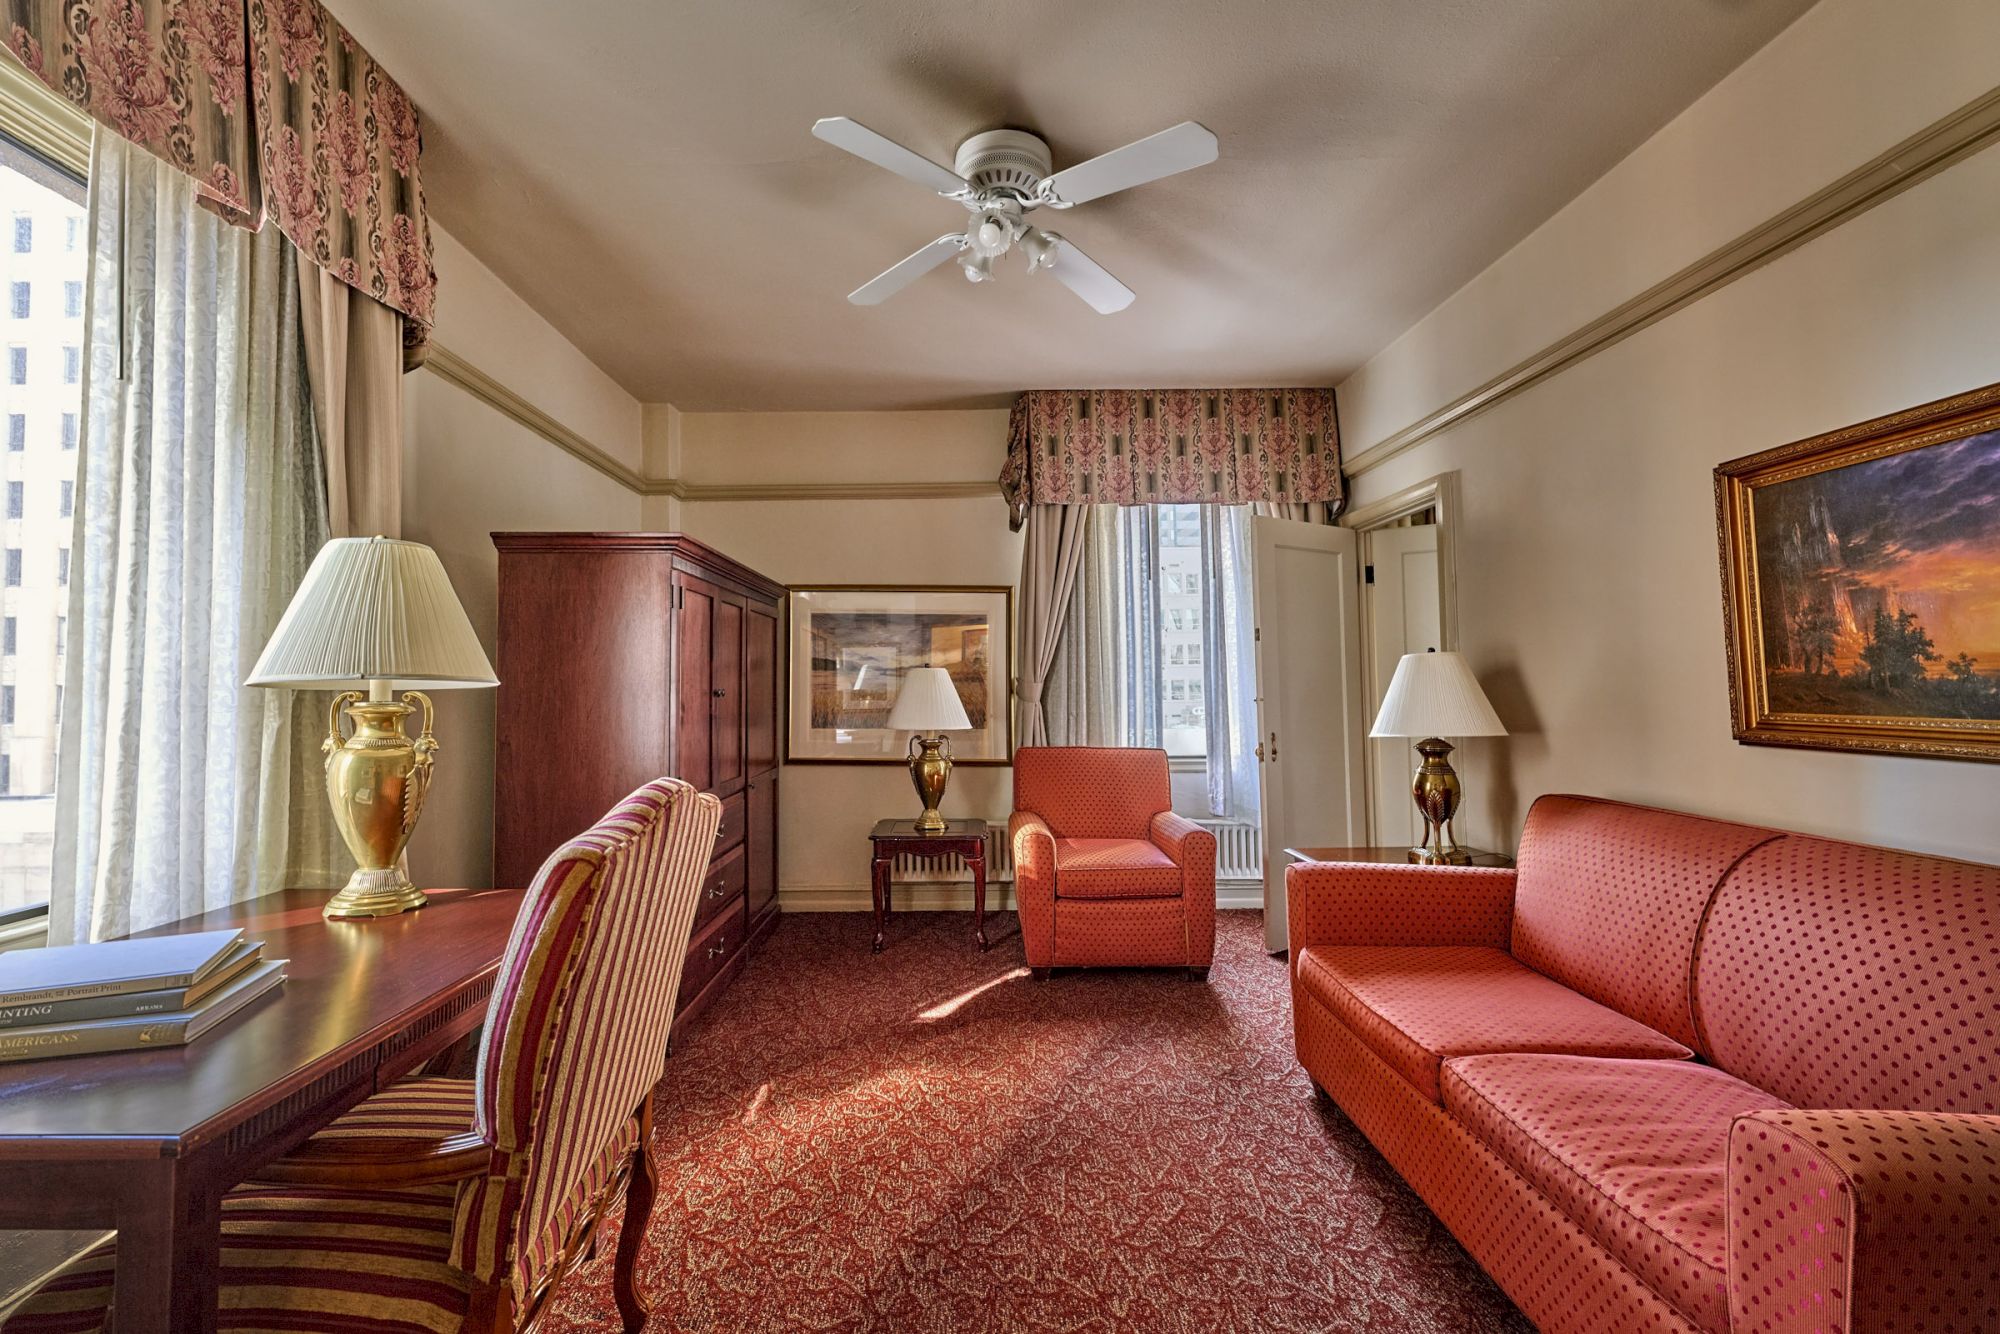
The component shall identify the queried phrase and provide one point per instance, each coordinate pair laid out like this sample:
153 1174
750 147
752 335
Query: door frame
1440 494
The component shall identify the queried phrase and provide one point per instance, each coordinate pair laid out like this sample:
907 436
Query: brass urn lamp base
1437 793
376 781
930 770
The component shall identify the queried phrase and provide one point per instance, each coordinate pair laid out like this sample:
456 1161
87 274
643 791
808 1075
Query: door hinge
1368 574
1257 634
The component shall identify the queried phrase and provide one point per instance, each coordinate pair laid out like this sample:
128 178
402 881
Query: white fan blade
1088 279
901 274
864 143
1185 146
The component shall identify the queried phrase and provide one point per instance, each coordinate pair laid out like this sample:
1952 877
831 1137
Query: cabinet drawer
730 833
723 884
711 951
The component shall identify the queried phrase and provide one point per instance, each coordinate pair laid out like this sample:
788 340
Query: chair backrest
1838 975
1608 899
1092 791
576 1033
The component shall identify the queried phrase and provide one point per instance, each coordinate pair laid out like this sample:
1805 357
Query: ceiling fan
1001 177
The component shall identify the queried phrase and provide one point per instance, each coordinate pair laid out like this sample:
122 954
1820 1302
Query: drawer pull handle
720 947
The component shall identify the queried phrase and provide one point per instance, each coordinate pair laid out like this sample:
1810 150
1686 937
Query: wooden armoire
623 657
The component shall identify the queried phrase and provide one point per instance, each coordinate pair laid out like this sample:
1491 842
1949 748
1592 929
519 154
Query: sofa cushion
1417 1006
1114 868
1634 1152
1608 899
1837 975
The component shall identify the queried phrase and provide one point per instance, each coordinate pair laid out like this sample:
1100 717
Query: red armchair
1105 874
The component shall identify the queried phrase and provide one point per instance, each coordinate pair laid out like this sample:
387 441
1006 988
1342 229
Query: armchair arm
364 1163
1183 840
1034 848
1863 1221
1358 903
1193 850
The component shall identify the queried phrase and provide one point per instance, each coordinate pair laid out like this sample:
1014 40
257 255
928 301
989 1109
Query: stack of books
163 991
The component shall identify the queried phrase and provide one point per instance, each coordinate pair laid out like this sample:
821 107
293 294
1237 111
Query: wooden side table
1387 856
900 838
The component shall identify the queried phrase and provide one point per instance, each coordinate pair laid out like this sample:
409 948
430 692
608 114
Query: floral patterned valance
271 107
1171 446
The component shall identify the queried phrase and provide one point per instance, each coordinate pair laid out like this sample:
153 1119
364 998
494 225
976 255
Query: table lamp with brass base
1434 695
929 703
381 612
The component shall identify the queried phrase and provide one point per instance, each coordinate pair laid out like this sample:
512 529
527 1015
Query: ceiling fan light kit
1001 176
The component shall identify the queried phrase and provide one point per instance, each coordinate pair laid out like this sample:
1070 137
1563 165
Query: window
46 204
7 705
18 294
62 641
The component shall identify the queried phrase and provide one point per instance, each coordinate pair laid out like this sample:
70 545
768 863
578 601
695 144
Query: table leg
978 860
169 1252
879 882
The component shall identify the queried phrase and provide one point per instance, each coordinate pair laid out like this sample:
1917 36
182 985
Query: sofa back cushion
1608 899
1837 975
1092 791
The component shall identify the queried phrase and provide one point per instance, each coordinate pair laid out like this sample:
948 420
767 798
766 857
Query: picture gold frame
1737 486
999 745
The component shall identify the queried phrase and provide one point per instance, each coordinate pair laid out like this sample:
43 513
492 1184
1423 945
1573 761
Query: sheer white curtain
201 499
1230 662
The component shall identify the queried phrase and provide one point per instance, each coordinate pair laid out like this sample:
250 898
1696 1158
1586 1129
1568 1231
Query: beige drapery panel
354 361
1080 695
1049 562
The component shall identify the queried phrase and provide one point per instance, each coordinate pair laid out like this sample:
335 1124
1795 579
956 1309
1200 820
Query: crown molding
1970 129
447 365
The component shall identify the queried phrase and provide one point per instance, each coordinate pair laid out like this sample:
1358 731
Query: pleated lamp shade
1435 694
374 609
928 702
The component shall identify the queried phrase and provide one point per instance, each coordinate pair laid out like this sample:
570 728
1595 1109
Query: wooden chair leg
639 1192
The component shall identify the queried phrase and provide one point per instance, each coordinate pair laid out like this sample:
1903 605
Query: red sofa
1105 874
1673 1073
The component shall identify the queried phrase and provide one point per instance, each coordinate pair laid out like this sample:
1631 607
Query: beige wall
825 811
470 470
1588 585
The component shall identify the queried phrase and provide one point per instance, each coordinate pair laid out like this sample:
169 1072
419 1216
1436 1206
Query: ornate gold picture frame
851 644
1861 585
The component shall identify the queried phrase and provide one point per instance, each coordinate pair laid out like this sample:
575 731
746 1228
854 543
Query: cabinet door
762 841
726 695
693 680
760 690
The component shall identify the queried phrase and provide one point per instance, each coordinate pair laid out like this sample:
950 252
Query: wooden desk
1386 856
148 1142
900 838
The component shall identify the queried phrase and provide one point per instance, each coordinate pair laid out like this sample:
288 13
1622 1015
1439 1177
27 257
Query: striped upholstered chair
440 1204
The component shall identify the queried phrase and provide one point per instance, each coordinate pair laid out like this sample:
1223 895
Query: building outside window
43 425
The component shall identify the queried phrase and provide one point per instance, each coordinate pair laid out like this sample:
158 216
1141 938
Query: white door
1401 604
1311 725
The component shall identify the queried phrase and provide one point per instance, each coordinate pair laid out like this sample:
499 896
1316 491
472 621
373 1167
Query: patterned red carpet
926 1140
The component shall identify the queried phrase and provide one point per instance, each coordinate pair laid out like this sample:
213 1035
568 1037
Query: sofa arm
1033 845
1863 1221
1358 903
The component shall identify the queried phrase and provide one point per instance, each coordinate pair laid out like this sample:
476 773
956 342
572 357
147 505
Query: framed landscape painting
1861 582
851 645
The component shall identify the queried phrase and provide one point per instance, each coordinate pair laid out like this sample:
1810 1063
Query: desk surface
350 986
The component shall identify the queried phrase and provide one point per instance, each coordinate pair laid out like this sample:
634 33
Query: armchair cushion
1418 1006
411 1133
1114 868
1632 1151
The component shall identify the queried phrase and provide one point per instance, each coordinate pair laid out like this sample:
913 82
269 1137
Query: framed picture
850 646
1861 583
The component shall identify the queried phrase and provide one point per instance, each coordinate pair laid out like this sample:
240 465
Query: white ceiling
641 172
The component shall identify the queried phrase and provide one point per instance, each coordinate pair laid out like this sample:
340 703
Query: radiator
1239 855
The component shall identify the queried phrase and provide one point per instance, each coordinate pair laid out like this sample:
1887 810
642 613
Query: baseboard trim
946 896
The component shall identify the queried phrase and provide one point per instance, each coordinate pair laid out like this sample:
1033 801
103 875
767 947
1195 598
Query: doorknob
1260 752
